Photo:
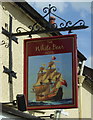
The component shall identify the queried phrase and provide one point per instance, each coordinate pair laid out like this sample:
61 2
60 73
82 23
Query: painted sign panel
50 72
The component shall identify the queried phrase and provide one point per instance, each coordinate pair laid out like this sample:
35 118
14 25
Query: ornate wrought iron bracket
64 23
69 29
52 27
8 71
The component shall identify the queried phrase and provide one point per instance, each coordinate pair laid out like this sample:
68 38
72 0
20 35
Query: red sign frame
62 50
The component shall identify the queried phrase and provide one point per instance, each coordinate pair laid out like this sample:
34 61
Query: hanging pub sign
50 72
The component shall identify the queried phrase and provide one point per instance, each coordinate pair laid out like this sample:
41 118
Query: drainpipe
81 79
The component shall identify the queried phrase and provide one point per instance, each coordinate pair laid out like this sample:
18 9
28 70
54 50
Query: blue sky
73 11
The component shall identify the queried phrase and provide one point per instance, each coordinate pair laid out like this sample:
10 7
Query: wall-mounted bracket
9 72
69 29
37 29
51 26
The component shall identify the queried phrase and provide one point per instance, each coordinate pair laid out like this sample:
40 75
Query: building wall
20 19
23 20
87 104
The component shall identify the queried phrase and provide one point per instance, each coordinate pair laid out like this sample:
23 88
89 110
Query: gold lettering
55 47
43 48
37 48
48 48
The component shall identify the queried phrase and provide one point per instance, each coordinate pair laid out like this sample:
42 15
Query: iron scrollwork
64 23
20 29
32 28
4 43
35 27
49 10
63 26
